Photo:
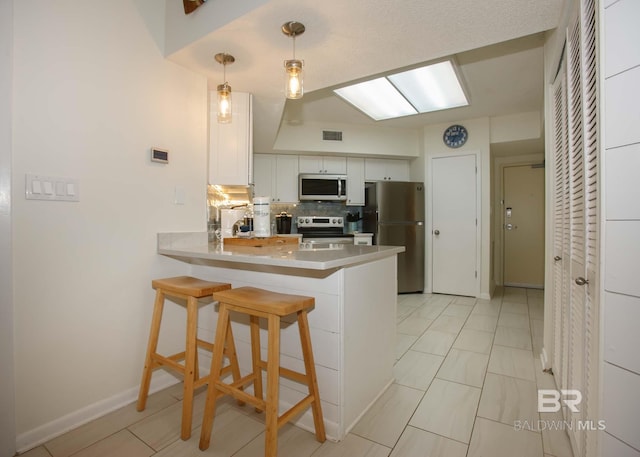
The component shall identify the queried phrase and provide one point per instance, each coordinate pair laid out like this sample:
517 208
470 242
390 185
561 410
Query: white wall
516 127
478 143
356 140
7 391
621 247
92 93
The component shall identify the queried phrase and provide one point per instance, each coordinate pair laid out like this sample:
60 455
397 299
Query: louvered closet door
591 177
582 123
577 224
561 261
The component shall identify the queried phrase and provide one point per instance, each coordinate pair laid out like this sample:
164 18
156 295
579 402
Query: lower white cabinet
386 170
276 176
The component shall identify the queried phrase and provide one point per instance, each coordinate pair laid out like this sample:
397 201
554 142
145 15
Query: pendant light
293 68
224 90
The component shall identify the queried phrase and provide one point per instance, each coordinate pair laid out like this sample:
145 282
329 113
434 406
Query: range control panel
320 221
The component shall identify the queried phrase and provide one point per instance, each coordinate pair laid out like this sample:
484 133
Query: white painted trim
32 438
524 285
348 428
544 359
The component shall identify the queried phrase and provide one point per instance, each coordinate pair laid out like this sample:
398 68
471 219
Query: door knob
557 258
581 281
436 232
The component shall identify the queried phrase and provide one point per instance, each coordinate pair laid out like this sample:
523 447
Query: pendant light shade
294 78
224 103
224 91
293 68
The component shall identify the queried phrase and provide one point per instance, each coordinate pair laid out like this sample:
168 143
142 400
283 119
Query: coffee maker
283 223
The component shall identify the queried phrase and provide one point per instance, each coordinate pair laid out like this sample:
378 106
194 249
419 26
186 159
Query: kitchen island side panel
369 336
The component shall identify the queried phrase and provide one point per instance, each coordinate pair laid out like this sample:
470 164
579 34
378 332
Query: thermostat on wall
159 155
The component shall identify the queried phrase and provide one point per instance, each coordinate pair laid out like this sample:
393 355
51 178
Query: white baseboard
39 435
544 359
524 285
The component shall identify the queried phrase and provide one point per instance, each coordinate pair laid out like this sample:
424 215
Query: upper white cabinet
231 145
386 170
323 164
355 181
276 176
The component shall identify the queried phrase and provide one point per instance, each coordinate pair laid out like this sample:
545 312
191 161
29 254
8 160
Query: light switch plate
38 187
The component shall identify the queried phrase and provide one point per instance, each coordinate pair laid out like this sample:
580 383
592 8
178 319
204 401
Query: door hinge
476 274
476 221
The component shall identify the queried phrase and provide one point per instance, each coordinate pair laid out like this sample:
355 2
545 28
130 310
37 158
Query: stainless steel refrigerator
394 213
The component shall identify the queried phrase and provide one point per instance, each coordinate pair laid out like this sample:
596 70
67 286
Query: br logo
550 400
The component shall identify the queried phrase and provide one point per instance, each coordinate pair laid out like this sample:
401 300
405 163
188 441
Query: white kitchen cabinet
264 166
355 181
276 176
323 164
231 145
386 170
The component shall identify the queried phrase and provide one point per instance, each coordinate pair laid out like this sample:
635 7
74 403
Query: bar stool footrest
235 390
295 410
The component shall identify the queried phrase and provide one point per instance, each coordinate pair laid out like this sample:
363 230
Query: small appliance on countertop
283 223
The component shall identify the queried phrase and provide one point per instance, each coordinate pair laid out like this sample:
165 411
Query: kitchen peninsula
352 324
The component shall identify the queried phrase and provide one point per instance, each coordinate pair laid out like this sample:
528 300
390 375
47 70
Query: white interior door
454 234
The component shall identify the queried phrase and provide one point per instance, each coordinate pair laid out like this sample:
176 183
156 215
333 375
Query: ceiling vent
331 135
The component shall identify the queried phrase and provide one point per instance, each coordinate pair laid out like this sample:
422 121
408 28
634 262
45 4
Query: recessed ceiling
348 40
500 79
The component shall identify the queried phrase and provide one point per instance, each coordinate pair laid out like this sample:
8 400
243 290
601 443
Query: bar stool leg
312 380
216 365
273 384
230 352
255 358
189 366
152 347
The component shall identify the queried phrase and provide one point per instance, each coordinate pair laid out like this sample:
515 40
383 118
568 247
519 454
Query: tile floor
466 371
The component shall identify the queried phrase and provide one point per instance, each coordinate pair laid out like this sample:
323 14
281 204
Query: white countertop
195 245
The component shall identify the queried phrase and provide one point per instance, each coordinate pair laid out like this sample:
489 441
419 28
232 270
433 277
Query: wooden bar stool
258 303
190 289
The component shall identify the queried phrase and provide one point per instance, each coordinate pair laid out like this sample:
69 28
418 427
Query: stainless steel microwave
322 187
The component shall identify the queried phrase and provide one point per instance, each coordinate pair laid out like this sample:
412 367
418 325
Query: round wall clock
455 136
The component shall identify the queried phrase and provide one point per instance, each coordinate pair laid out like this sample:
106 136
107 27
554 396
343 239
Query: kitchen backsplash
316 209
216 201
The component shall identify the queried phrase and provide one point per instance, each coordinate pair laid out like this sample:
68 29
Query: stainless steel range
323 230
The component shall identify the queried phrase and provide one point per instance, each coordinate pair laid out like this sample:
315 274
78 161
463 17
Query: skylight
421 90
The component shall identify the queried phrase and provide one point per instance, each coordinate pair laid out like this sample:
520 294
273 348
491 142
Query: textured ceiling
348 40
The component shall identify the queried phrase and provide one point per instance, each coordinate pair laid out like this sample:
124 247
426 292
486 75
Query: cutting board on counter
260 242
